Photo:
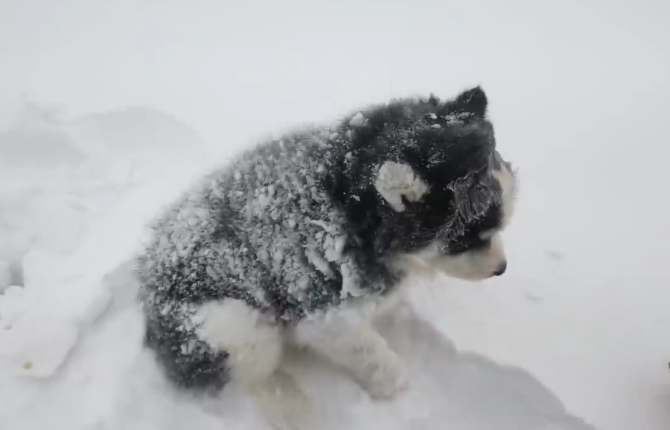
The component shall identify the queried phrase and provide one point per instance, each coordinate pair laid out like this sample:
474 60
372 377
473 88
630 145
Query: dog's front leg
359 350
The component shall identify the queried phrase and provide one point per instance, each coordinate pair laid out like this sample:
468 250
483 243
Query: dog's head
444 193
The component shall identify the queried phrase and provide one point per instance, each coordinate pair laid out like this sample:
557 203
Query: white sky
227 67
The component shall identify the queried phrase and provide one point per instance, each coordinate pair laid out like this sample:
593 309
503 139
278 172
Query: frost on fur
304 225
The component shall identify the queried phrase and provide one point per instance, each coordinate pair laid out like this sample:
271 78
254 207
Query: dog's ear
472 101
398 183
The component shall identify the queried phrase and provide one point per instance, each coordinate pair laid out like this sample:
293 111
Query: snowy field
109 109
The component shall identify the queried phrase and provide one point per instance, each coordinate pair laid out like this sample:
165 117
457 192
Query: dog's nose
501 269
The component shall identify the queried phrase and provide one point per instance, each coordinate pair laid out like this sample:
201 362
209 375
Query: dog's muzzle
501 269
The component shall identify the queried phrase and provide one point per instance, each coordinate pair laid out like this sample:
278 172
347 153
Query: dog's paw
384 380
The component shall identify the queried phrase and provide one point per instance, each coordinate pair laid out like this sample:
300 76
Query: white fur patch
253 344
359 350
395 180
472 265
488 234
506 180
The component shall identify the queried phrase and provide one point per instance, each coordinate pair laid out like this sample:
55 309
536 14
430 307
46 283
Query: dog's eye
483 243
465 245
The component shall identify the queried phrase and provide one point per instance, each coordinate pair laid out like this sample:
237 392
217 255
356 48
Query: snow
574 332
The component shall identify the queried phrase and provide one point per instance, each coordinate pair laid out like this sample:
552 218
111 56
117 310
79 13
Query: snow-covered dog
294 241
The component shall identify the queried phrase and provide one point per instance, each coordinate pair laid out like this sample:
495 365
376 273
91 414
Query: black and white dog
298 239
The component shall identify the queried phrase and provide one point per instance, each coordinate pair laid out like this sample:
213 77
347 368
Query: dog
294 241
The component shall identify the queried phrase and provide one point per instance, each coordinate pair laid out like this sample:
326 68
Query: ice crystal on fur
296 226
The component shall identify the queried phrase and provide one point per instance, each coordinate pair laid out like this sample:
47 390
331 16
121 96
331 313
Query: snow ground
574 333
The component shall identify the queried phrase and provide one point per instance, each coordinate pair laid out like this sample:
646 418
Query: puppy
299 238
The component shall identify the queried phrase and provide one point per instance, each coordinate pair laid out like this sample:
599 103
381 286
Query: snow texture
120 387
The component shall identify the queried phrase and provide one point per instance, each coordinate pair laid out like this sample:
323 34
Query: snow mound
57 194
36 345
40 326
45 147
148 132
59 177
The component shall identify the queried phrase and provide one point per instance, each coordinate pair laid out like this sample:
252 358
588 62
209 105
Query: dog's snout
501 269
